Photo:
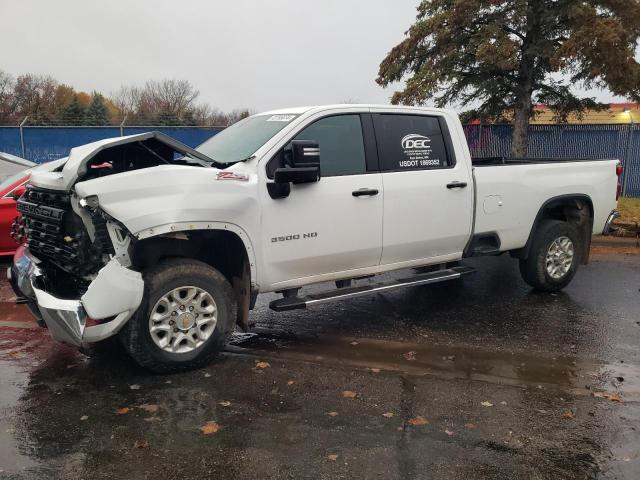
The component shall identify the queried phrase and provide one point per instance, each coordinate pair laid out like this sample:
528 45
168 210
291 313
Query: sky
255 54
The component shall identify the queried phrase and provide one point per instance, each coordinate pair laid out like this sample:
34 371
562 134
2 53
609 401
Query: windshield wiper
245 159
199 161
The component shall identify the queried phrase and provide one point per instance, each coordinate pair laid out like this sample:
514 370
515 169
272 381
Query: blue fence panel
10 140
43 144
192 136
632 167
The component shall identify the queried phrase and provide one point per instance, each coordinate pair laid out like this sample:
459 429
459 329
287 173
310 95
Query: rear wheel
554 256
187 313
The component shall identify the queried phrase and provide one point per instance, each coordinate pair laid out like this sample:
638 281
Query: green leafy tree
97 113
73 114
504 56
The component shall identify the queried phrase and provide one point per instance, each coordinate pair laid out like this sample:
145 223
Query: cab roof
318 108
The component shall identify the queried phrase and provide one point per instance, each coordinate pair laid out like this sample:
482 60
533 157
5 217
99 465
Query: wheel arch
575 208
225 247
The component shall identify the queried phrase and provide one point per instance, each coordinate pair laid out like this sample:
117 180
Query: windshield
242 139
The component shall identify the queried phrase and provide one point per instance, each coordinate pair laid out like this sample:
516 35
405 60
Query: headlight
91 201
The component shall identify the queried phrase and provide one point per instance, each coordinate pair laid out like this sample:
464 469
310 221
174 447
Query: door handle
363 192
456 184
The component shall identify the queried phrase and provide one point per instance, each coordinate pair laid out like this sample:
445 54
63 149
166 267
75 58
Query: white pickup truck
168 246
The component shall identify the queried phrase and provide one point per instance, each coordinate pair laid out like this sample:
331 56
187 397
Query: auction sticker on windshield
281 118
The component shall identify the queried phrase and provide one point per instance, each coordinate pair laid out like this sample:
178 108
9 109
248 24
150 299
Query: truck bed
509 199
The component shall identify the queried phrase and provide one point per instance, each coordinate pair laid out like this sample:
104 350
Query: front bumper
608 226
115 292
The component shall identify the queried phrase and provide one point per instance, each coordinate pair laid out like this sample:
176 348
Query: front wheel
554 256
187 313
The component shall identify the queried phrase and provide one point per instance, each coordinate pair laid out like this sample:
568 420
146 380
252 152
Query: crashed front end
73 270
109 301
66 272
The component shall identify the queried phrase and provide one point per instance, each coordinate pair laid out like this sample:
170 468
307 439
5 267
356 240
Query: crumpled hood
172 194
76 164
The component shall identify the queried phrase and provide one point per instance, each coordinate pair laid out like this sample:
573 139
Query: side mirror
302 166
18 192
305 153
303 163
297 175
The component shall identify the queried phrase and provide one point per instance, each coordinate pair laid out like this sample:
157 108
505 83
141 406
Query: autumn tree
7 105
506 55
33 96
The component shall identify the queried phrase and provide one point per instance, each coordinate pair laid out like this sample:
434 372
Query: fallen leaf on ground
375 370
12 353
349 394
135 386
332 414
84 417
448 432
568 414
150 407
614 397
140 444
263 365
225 403
470 426
388 414
122 410
333 458
411 355
290 382
486 404
209 428
417 421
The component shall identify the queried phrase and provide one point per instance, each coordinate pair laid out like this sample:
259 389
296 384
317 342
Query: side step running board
295 303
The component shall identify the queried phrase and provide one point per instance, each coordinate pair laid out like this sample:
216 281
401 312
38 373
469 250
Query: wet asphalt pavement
480 378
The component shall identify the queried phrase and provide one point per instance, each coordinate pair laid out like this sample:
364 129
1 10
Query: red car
16 172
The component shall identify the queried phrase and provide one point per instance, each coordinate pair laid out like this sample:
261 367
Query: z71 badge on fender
297 236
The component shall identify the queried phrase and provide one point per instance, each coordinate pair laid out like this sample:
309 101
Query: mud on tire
534 269
165 277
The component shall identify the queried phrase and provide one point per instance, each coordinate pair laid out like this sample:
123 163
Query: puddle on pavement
447 361
13 458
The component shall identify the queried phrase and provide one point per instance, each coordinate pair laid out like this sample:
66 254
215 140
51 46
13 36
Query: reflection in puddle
494 366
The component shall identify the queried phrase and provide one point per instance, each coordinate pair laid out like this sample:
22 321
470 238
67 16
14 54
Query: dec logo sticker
415 141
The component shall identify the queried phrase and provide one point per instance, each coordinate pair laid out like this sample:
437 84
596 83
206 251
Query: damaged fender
115 292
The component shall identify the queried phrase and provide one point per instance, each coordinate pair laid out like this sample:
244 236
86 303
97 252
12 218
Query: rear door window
410 142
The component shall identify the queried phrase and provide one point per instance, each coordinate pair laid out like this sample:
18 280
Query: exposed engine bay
72 236
135 156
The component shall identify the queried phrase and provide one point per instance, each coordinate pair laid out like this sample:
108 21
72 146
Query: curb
611 241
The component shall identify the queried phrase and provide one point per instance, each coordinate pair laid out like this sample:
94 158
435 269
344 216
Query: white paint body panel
343 232
125 289
415 220
524 189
